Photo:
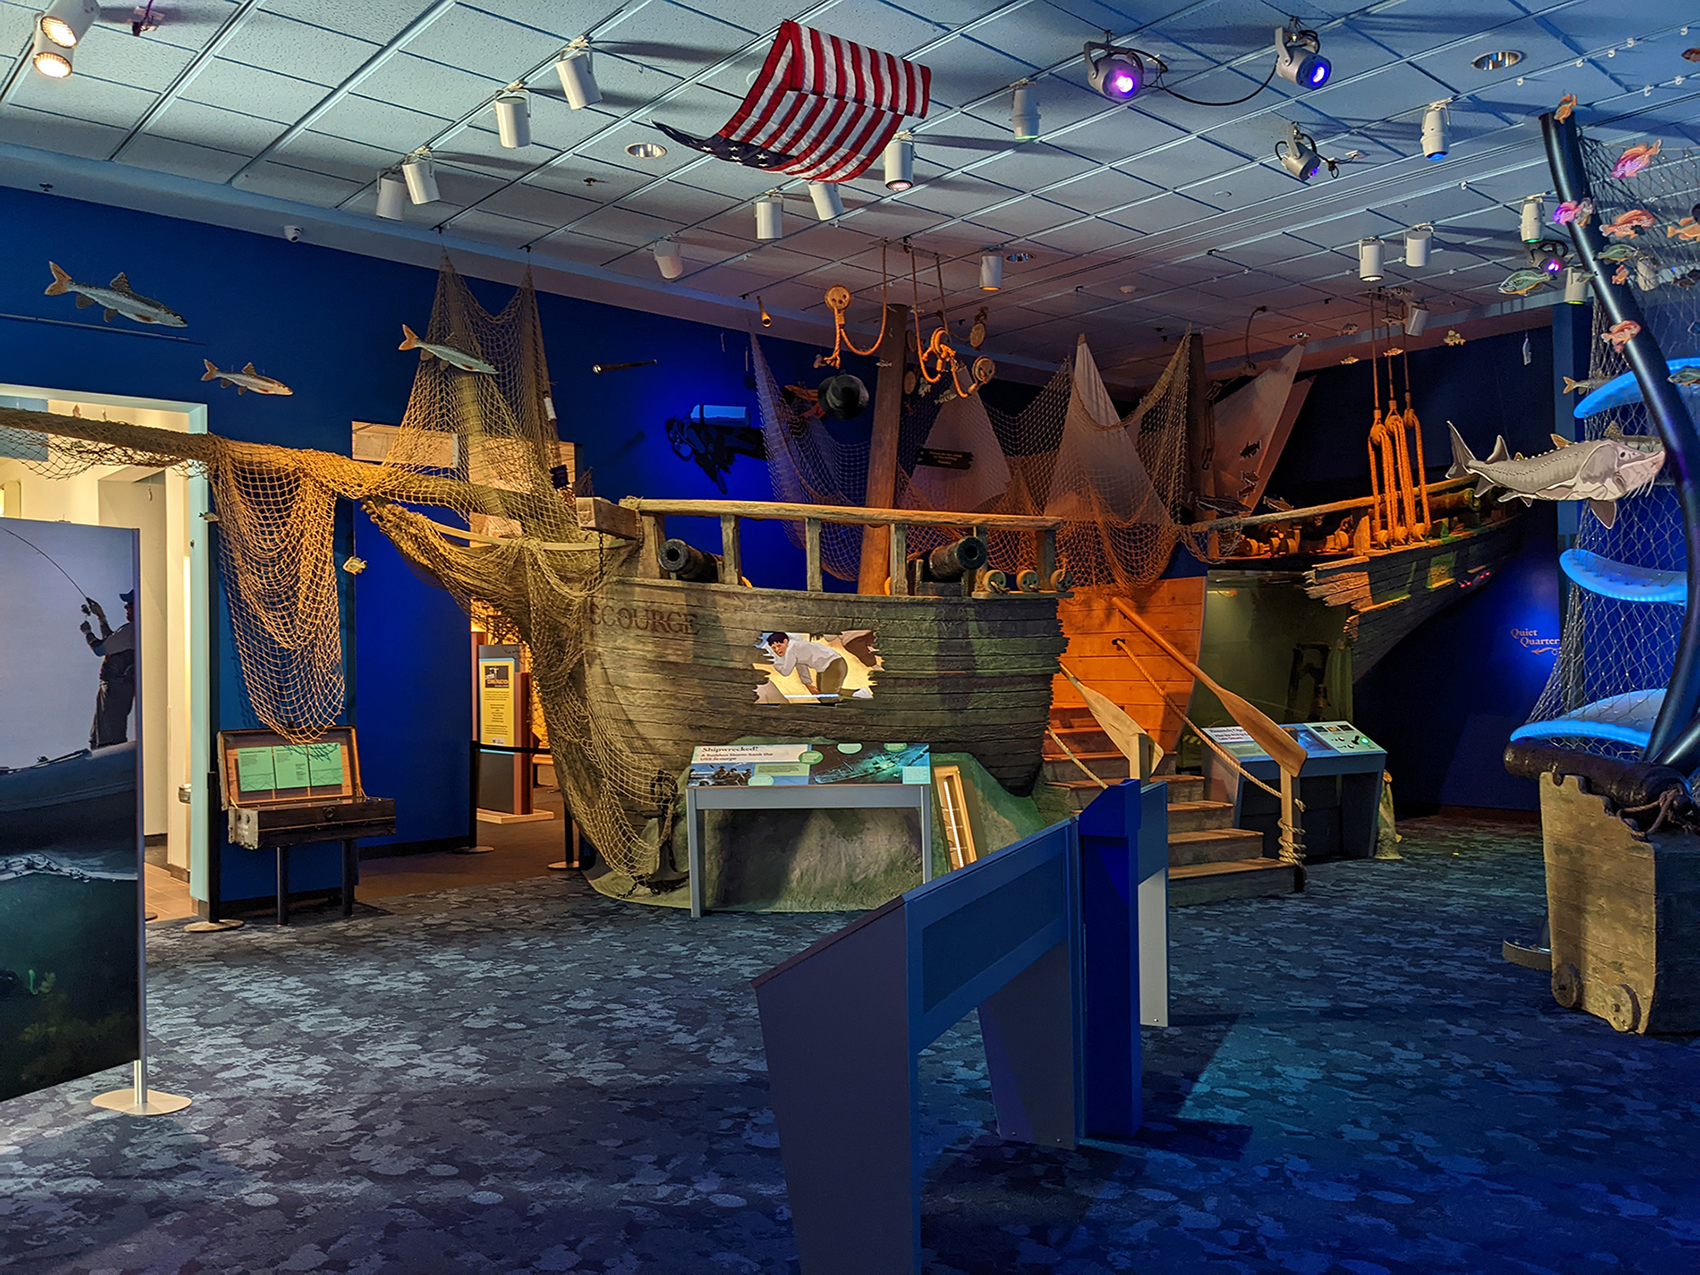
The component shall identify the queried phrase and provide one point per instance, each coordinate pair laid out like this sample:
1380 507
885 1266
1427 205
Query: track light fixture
900 162
1576 286
828 202
761 309
392 197
1419 239
420 172
48 58
991 272
1298 155
1120 73
1549 256
770 212
1369 260
1416 319
668 260
513 118
578 80
1298 57
1437 131
1024 112
66 21
1533 231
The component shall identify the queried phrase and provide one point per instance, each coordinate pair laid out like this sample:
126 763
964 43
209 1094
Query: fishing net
1615 655
483 447
1117 481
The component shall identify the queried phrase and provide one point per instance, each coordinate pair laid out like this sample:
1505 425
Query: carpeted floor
529 1077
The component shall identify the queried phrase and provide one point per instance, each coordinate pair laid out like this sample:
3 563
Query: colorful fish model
1583 387
1617 252
1684 376
1620 275
1454 337
1634 160
1579 211
1626 225
1520 283
1620 334
245 380
1602 472
447 353
1566 104
115 298
1687 228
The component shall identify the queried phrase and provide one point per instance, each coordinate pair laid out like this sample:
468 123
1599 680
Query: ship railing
1048 575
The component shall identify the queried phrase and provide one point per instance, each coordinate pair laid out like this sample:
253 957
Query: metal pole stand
140 1100
472 846
575 848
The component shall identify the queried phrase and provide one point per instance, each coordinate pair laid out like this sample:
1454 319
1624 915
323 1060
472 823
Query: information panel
824 762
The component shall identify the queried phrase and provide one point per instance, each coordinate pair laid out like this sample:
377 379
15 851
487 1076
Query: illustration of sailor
117 651
821 669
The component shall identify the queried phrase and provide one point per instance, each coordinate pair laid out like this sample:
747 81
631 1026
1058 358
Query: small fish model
447 353
1583 387
1520 283
1687 228
1601 471
1620 334
1620 275
1684 376
1687 279
1617 252
245 380
1579 211
115 298
1635 159
1566 104
1626 225
1453 337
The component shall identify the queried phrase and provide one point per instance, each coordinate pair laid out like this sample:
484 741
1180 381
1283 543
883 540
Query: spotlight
1369 260
1533 231
1119 73
770 209
578 80
48 58
392 197
668 260
1024 112
1575 286
420 172
761 309
1300 159
513 119
1436 132
67 21
1298 57
899 163
1416 319
1419 239
1548 256
991 272
828 202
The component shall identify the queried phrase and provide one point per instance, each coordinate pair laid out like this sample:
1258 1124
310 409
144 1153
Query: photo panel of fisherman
816 668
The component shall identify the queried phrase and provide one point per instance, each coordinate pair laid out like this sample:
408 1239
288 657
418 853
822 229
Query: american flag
822 107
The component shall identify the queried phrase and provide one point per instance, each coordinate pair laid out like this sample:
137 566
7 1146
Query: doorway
165 506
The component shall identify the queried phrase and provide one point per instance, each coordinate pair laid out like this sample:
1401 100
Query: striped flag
822 108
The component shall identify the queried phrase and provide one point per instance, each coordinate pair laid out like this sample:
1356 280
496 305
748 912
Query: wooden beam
731 564
852 514
899 559
597 514
881 492
654 536
811 555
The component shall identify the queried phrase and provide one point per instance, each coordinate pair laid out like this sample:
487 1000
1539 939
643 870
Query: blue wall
327 323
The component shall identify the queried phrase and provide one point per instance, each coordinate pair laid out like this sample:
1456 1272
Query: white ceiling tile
1101 190
489 227
297 184
269 94
1087 236
166 155
589 178
112 53
428 87
484 44
890 28
565 19
362 119
23 126
208 126
962 195
276 43
964 71
684 204
1411 29
1163 213
376 20
580 248
352 162
621 225
675 39
1025 215
528 202
83 97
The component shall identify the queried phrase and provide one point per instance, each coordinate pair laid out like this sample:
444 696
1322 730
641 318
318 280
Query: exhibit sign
498 688
768 765
70 803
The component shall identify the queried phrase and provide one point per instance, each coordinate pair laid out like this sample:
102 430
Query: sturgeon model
1601 471
115 298
245 380
447 353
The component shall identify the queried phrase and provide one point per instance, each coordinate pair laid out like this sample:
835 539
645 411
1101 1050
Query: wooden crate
1625 914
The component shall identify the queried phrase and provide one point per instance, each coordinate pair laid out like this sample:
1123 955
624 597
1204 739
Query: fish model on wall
1601 471
1621 334
1635 159
447 353
115 298
1624 227
245 380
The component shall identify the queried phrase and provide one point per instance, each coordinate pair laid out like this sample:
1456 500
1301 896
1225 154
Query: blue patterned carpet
530 1077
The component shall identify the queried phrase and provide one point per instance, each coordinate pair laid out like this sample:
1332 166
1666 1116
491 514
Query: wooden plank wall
1175 608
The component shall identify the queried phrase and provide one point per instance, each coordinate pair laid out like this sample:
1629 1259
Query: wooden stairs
1209 859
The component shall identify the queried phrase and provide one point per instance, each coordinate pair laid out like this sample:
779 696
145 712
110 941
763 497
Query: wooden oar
1288 755
1114 721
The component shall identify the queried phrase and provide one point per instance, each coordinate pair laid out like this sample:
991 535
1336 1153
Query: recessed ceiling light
1220 194
1497 61
1018 257
1127 289
646 150
1298 336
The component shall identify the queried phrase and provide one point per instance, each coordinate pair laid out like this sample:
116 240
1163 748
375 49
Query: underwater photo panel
70 810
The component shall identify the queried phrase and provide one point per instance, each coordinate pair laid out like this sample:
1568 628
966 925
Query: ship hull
677 664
